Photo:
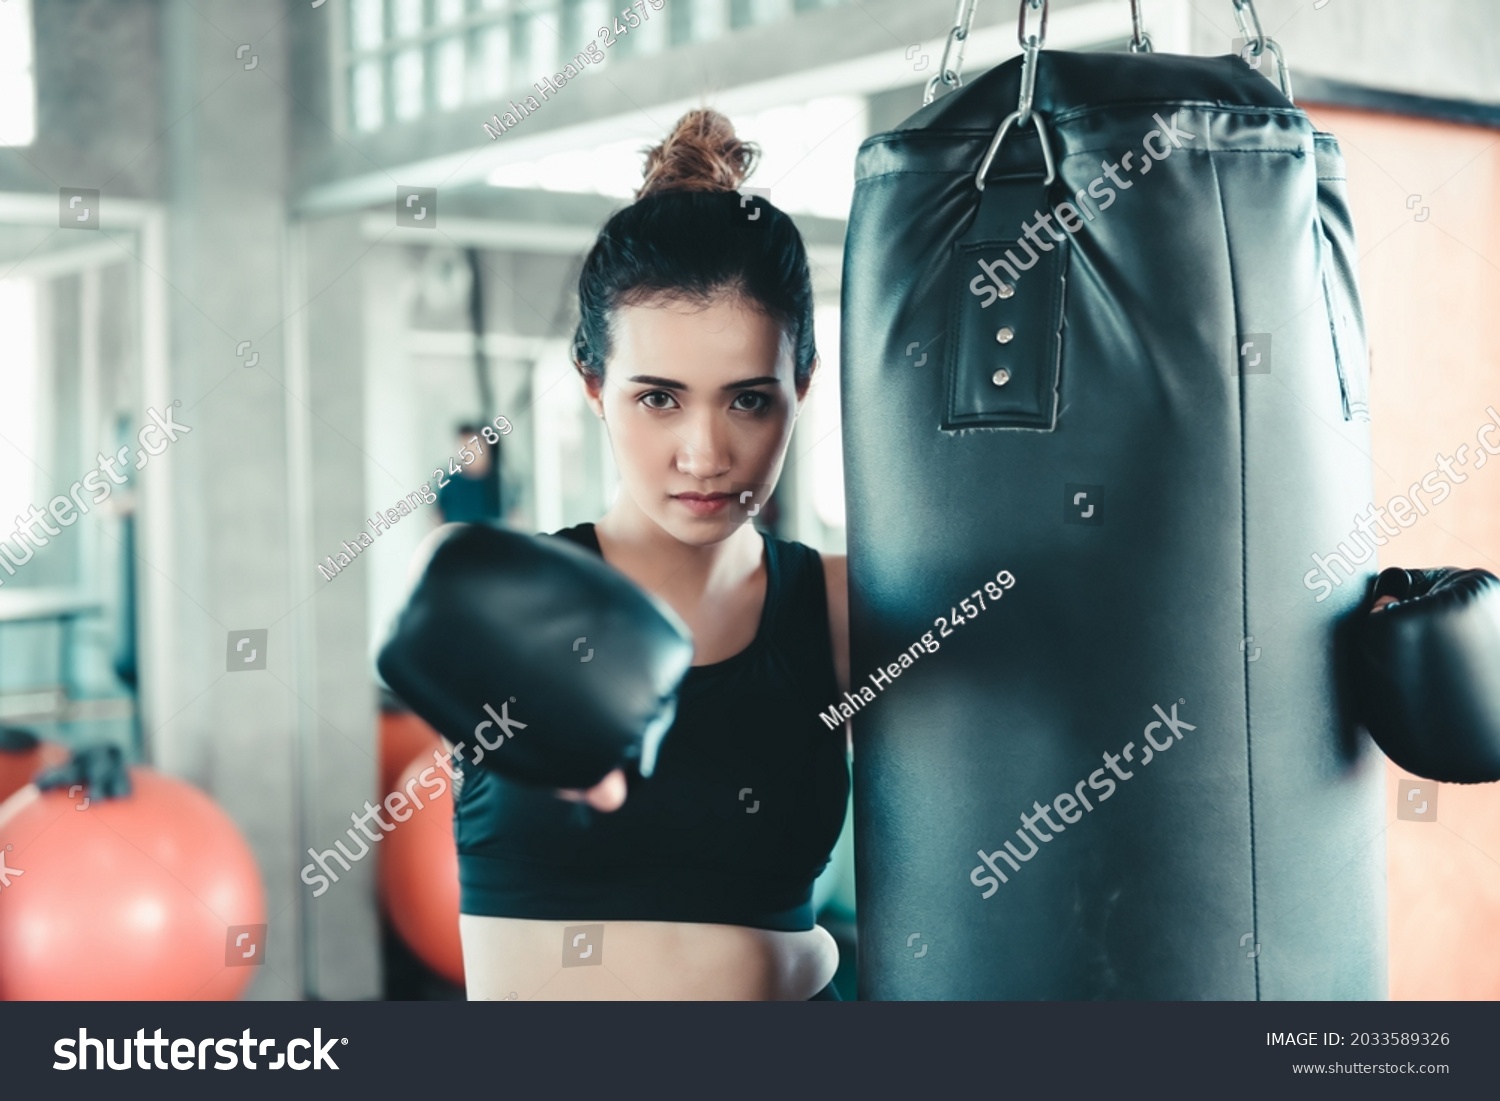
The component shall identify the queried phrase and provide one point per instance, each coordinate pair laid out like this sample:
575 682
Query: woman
695 347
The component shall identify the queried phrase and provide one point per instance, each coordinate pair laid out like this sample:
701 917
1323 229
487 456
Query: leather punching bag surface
1129 775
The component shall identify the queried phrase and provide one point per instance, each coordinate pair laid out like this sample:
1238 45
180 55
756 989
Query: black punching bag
1128 775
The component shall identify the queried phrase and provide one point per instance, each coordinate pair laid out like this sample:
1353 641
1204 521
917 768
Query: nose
703 452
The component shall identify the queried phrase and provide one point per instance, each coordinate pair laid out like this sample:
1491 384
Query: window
18 412
402 59
808 152
17 78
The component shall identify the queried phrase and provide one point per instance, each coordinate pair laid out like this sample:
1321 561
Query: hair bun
701 154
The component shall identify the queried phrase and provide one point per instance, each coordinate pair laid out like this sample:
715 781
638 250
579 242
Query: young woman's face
699 402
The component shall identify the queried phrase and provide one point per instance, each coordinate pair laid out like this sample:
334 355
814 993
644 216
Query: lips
704 504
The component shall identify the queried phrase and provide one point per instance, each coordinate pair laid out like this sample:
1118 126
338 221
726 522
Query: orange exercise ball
22 756
140 897
418 876
402 737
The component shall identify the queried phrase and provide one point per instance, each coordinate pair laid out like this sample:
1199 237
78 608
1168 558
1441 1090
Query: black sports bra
739 817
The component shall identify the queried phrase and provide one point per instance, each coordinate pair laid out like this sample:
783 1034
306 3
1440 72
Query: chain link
950 74
1257 43
950 70
1140 41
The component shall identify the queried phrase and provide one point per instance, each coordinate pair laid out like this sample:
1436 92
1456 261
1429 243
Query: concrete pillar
287 750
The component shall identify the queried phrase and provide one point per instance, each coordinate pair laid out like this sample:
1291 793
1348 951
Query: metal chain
1140 41
1257 41
1031 48
949 71
1031 45
1257 44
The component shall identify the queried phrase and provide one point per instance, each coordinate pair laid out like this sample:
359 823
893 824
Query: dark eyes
759 402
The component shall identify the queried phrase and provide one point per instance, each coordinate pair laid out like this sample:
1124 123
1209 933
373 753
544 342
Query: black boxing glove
1426 672
536 658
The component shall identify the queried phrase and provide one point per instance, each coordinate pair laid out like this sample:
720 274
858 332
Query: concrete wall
232 734
99 100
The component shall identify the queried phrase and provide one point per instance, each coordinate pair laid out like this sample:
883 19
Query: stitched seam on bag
1355 407
959 173
955 312
952 173
1107 149
891 137
1244 587
1333 333
1208 105
1064 262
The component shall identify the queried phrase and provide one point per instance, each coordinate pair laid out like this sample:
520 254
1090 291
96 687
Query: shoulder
581 535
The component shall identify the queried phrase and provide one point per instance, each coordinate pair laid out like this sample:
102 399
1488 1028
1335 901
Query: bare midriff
522 959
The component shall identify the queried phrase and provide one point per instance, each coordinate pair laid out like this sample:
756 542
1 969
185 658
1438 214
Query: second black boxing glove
1426 672
550 666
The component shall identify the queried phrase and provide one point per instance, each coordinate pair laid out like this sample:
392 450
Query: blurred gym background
204 206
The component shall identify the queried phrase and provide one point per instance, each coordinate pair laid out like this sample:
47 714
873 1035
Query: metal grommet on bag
1005 335
1000 377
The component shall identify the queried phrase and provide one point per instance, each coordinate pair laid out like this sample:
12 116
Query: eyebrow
673 384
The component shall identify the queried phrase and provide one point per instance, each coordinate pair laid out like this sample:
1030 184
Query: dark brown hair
690 235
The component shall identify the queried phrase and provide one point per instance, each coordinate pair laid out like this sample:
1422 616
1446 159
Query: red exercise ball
402 737
419 875
129 898
22 756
